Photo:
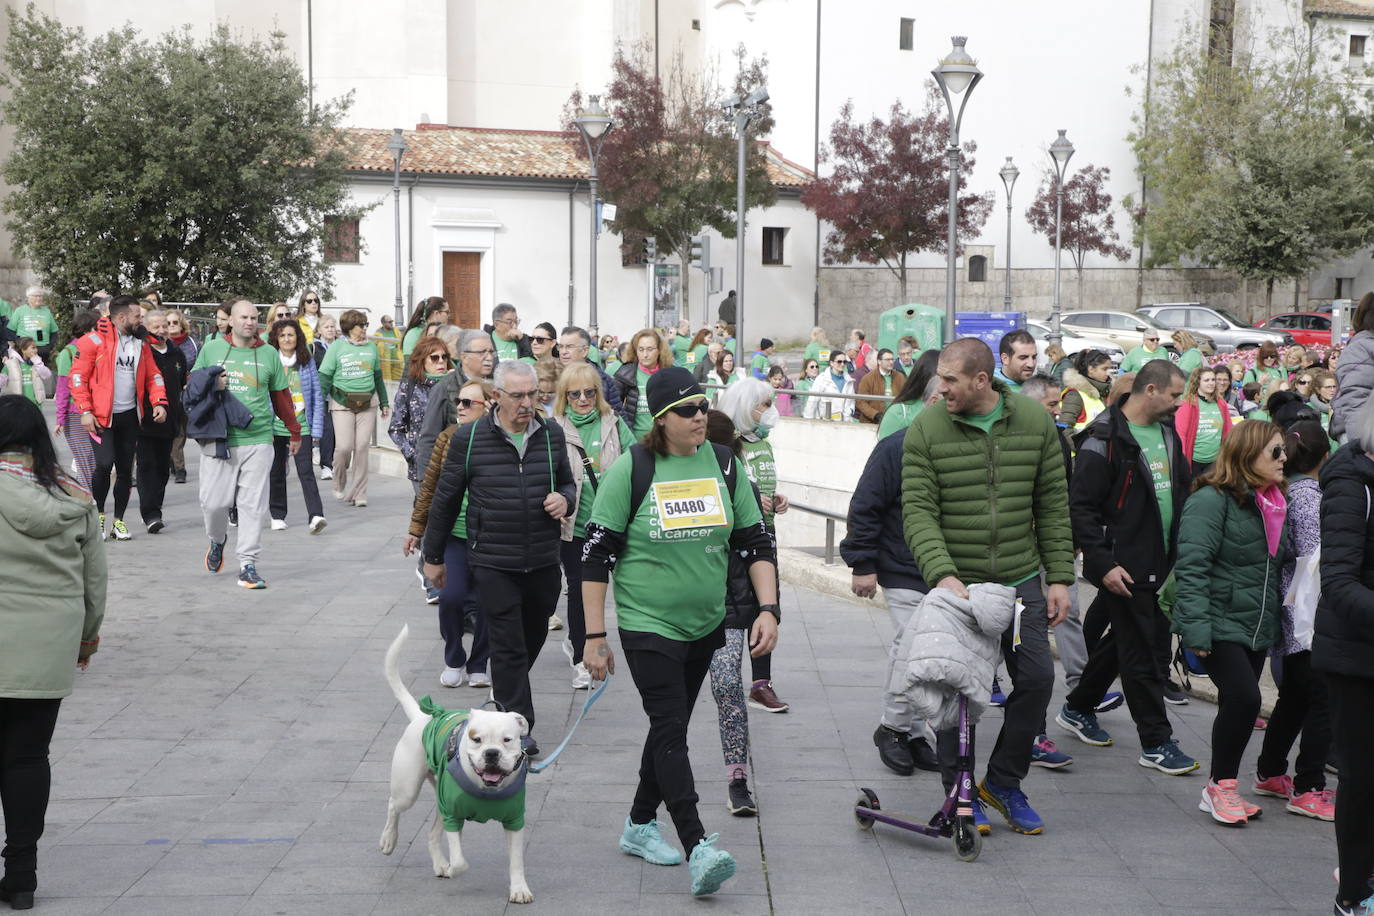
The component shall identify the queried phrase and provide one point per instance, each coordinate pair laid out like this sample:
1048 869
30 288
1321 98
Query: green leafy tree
197 167
1255 162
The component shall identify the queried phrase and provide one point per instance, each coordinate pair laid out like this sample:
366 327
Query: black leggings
668 674
310 489
1235 670
1351 699
26 728
1302 707
154 468
115 452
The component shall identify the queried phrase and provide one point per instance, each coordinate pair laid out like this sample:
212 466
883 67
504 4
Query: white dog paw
457 868
440 868
520 893
388 842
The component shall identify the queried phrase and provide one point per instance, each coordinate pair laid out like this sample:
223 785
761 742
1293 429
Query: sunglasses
315 301
438 357
688 411
541 338
1304 381
1277 452
583 394
469 403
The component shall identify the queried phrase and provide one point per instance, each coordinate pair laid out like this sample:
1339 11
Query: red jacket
93 372
1186 421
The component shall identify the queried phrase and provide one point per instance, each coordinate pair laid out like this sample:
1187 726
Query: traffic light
701 253
650 250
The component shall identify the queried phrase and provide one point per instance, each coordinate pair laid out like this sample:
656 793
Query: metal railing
826 413
830 519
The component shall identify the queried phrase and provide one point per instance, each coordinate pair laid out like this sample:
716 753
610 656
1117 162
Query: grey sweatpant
897 712
241 480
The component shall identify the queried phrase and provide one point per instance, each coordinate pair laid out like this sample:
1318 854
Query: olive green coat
52 577
987 508
1228 584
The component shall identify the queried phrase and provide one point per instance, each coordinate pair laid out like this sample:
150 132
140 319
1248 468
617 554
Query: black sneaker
18 900
740 802
1174 695
179 476
923 755
249 578
529 746
155 526
214 557
893 750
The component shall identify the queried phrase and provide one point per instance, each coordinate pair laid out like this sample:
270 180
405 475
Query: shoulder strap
587 467
641 477
729 467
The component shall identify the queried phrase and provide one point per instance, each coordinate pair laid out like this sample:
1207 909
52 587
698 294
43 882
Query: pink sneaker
1320 804
1221 800
1275 786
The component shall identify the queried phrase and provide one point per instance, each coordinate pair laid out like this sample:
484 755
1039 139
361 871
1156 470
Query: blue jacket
314 398
210 412
875 542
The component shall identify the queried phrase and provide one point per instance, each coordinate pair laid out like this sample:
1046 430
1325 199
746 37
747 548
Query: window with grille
977 269
340 240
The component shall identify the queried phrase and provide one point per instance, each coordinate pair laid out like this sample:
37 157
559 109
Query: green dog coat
456 805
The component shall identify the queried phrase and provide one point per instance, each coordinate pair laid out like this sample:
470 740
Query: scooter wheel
867 799
968 842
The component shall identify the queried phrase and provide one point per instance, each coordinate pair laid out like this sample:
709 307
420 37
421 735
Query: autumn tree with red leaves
1089 224
887 195
669 163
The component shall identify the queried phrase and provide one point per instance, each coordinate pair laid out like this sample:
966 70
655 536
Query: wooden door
463 287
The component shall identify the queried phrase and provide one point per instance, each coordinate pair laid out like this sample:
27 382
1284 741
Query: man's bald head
970 355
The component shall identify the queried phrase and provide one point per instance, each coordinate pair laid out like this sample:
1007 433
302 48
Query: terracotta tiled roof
1357 9
438 149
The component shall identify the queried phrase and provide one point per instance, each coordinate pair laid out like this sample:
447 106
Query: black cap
765 343
670 386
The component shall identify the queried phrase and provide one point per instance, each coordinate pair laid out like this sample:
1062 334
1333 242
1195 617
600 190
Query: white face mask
770 418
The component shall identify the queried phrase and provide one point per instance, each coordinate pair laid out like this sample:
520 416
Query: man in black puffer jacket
513 469
1343 645
875 549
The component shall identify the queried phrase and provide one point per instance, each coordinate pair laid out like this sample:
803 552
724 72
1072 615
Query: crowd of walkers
1196 497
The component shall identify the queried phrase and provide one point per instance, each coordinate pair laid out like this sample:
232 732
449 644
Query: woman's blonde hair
1183 341
577 377
1293 355
1234 471
1054 353
665 353
1195 380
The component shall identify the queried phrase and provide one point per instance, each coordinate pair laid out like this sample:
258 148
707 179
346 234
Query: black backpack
642 474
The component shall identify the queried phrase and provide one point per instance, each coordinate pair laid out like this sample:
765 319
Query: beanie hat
670 387
765 343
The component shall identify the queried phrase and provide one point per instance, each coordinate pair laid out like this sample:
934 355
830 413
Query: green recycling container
924 322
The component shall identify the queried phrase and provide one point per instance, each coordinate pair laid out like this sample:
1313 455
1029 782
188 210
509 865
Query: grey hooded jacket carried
950 646
1355 380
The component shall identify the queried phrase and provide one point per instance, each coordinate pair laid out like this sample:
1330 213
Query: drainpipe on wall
1149 73
410 241
816 168
572 288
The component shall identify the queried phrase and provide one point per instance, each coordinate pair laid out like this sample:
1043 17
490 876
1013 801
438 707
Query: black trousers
519 605
310 489
327 444
1351 700
115 452
1096 624
1302 707
1235 670
668 674
761 668
26 728
154 470
1130 649
570 553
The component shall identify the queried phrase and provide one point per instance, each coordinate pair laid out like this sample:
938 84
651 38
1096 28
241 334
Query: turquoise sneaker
711 867
646 841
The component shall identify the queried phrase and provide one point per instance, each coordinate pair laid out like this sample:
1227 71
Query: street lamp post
397 145
956 75
1061 151
1008 173
743 110
593 124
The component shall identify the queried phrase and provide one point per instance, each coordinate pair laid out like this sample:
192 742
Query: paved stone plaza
228 753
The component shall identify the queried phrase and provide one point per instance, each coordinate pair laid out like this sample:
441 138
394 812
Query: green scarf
583 420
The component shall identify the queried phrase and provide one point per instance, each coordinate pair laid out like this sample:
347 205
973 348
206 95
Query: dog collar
473 787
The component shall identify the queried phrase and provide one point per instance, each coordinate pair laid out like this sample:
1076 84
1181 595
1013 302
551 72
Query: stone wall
854 296
14 279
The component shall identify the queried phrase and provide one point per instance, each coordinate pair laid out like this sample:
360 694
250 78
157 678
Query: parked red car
1307 328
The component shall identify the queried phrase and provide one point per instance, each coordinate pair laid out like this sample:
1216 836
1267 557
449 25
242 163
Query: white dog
475 763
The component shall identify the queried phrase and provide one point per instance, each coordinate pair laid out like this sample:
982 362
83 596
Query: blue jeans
458 596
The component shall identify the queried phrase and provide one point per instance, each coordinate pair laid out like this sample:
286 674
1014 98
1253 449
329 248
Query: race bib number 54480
689 504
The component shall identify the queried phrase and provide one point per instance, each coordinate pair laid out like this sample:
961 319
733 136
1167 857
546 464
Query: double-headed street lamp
1061 151
397 145
593 124
743 111
1009 173
956 75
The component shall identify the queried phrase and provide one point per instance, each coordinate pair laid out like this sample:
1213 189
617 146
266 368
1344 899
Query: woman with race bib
665 520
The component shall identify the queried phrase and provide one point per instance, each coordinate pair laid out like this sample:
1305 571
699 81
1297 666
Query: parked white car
1072 342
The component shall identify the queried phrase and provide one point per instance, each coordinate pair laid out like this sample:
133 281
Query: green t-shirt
505 349
1151 441
6 310
821 354
762 469
1190 360
679 346
758 366
411 339
644 422
26 372
250 374
1207 442
64 360
1263 376
293 384
1139 357
687 562
695 356
898 416
984 421
457 807
37 323
354 368
594 354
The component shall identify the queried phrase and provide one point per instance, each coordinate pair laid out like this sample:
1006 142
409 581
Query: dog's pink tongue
491 778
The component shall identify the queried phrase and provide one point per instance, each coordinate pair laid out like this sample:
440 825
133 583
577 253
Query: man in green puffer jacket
984 499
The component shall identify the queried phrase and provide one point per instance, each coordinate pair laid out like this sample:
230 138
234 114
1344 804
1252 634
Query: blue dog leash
591 698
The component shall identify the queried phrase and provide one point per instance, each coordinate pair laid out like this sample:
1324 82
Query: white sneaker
326 473
582 678
360 503
479 679
278 524
555 622
452 677
339 494
316 524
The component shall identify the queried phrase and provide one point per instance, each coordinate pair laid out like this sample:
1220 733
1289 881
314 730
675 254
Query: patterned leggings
728 689
83 450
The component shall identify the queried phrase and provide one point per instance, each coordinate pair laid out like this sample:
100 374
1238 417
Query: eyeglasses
513 322
541 339
469 403
1277 452
315 301
520 395
481 352
1152 340
646 351
688 411
582 394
